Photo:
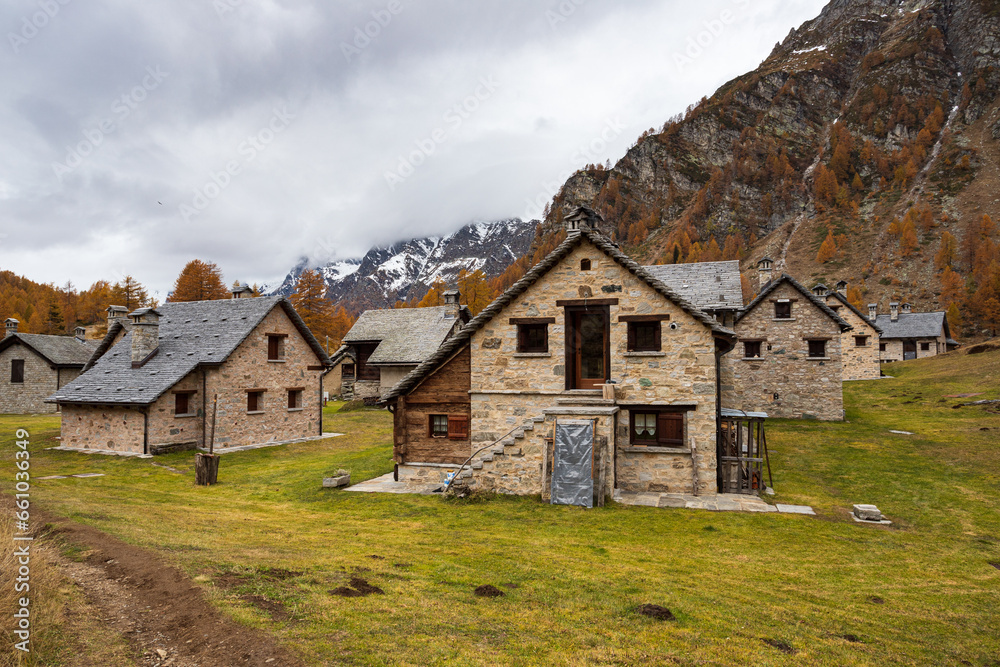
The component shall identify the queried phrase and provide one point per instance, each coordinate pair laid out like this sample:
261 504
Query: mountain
869 132
405 270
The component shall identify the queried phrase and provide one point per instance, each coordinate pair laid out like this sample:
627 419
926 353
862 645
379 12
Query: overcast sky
140 135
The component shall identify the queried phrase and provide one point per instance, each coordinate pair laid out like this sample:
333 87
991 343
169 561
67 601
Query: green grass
733 580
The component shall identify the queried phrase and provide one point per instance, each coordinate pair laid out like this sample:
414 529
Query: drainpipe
204 406
145 431
718 418
321 396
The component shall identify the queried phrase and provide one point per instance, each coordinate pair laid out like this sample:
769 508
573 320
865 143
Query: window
347 371
783 310
881 347
926 347
439 426
643 336
17 371
255 401
182 403
657 429
276 347
295 399
861 341
817 349
751 349
585 265
533 338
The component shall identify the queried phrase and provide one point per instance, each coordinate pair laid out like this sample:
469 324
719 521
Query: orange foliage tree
828 249
475 290
199 281
946 253
312 305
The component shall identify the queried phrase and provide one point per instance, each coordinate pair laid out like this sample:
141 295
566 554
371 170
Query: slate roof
854 309
404 335
816 301
573 239
192 334
64 351
708 285
914 325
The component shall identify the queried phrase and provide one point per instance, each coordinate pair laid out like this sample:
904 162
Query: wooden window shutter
631 336
658 338
522 338
17 371
670 428
458 427
272 347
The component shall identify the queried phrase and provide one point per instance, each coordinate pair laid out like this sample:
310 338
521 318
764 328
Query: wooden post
206 466
694 465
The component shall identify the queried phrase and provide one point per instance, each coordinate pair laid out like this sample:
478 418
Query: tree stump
206 469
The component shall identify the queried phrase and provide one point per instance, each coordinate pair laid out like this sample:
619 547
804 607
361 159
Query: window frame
925 347
661 417
276 347
295 397
586 265
524 330
17 371
760 349
186 396
344 375
433 431
782 307
863 343
813 342
655 344
882 347
255 401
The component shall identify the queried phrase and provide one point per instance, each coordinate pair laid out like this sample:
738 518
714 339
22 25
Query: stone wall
859 362
508 387
805 388
894 348
107 428
40 382
390 376
167 428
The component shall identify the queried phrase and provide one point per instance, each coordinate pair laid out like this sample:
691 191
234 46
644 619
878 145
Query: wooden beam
532 320
643 318
586 302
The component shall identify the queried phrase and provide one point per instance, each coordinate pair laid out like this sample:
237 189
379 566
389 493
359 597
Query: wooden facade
443 394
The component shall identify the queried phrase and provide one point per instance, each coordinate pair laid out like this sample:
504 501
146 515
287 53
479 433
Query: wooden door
909 350
588 349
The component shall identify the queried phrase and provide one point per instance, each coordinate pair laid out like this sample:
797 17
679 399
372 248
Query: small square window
439 426
652 429
881 347
783 310
294 399
644 336
533 338
751 350
861 341
182 404
926 347
17 371
817 349
585 265
255 401
347 371
275 348
644 427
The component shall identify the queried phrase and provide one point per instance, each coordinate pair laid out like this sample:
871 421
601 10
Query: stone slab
883 522
89 474
386 484
795 509
867 512
51 477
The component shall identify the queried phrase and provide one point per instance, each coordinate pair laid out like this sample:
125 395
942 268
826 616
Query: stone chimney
821 290
145 335
872 311
244 291
11 325
764 269
894 311
906 309
117 314
582 218
842 287
80 333
453 309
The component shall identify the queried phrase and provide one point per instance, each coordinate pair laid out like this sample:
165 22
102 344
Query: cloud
363 87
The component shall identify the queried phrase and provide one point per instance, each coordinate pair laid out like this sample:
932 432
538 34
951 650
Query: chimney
80 333
906 309
894 311
582 218
872 311
11 324
842 287
821 290
453 309
145 335
117 314
244 291
764 269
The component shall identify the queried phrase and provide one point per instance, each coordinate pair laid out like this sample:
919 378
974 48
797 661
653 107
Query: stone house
33 366
339 379
907 335
236 372
589 373
789 360
387 344
859 346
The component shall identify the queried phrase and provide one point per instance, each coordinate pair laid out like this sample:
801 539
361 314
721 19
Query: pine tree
55 324
130 293
199 281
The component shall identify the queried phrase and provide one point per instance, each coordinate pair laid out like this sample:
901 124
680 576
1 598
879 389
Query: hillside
405 270
873 128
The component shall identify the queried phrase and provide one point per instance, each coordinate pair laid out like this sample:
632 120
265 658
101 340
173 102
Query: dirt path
163 614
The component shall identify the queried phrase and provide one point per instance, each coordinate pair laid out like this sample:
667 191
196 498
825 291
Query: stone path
385 484
85 475
723 502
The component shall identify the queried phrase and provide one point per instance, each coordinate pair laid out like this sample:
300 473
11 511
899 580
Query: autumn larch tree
312 305
474 290
828 249
130 293
199 281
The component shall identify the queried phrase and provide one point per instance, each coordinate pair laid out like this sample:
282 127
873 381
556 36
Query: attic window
585 265
861 341
783 310
532 338
276 347
644 337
